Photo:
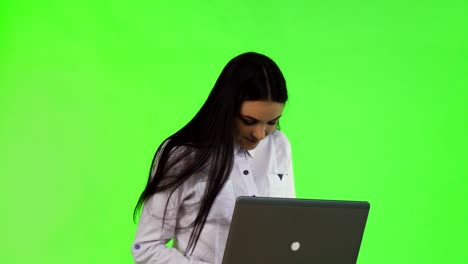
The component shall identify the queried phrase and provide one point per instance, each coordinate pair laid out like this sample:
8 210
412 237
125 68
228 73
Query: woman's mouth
252 141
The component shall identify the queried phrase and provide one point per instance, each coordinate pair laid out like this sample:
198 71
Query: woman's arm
149 246
291 190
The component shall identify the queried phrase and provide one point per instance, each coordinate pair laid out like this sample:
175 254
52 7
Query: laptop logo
295 246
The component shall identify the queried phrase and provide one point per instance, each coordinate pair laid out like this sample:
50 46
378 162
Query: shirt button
246 172
137 246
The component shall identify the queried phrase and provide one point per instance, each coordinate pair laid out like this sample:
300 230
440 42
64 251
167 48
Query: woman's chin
247 145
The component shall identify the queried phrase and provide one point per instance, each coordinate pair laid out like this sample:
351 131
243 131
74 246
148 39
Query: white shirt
264 171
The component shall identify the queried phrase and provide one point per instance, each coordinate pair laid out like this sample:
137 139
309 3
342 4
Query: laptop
295 231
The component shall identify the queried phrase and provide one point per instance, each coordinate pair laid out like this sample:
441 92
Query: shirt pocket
277 182
223 206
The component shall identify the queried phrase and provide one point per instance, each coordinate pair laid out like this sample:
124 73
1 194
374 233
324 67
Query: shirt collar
252 152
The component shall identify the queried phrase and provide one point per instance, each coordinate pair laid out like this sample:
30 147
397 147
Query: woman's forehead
261 110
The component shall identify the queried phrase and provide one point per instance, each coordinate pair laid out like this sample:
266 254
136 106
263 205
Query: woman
230 148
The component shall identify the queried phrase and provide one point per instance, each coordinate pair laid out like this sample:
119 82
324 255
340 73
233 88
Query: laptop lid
283 230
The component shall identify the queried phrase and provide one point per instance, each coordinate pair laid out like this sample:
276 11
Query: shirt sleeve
291 190
149 246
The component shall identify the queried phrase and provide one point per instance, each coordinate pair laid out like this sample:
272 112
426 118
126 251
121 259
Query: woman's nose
259 132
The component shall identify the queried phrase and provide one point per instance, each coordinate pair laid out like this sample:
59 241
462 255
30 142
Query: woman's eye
253 122
249 123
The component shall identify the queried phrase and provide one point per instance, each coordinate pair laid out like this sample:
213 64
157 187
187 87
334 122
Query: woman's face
256 120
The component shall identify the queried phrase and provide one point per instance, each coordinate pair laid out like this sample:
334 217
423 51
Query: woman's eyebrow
254 119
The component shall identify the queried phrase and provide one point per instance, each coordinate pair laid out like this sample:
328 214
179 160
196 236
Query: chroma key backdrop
88 90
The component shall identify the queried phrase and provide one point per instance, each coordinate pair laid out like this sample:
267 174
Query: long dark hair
207 141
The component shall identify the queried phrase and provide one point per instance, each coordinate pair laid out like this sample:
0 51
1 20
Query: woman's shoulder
276 142
176 150
173 156
279 138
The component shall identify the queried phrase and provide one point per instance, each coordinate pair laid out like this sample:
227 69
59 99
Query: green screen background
377 112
